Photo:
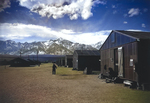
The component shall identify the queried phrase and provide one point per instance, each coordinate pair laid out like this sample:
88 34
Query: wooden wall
91 62
109 60
75 60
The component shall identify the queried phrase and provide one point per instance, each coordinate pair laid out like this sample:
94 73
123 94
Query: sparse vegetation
68 73
38 85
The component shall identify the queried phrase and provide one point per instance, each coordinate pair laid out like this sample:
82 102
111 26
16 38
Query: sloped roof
135 34
88 52
19 59
69 56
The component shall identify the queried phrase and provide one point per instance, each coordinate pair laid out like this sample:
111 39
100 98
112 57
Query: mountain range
59 46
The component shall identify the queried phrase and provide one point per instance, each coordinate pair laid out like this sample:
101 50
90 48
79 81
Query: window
131 62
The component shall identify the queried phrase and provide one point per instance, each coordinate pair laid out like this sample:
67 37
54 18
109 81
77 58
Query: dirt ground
38 85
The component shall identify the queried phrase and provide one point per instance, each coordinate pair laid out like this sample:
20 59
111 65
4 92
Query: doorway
118 61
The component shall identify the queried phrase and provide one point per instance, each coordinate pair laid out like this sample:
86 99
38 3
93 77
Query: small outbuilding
61 61
31 62
128 54
19 62
86 59
69 60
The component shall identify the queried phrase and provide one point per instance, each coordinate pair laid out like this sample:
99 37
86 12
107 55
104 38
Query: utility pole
21 52
81 48
37 54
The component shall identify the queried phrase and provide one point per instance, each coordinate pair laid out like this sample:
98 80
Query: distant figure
54 69
39 64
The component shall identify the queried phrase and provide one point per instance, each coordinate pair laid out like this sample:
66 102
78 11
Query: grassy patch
126 95
96 72
110 93
38 85
68 73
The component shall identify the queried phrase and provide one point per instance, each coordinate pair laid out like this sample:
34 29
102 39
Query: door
120 62
116 60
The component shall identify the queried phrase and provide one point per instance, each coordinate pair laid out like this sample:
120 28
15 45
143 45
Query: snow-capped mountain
97 45
55 47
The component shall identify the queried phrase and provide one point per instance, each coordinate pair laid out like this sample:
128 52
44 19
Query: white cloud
113 6
143 25
67 31
57 9
125 22
134 30
23 32
133 12
88 38
4 4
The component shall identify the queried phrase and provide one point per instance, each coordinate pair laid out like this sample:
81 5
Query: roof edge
117 31
105 40
126 34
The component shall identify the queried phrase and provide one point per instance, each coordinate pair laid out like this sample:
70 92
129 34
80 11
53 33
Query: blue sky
82 21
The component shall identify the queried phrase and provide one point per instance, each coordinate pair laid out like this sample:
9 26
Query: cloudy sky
82 21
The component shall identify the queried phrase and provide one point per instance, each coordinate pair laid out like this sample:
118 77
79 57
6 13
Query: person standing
54 68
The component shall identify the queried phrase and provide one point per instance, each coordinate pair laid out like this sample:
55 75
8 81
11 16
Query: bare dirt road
38 85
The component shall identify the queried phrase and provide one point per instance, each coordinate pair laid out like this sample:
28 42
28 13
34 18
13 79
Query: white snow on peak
41 52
